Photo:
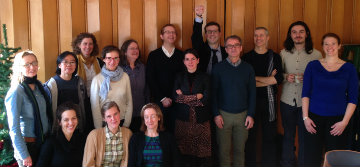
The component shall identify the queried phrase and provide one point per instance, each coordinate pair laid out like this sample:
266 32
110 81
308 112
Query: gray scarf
109 76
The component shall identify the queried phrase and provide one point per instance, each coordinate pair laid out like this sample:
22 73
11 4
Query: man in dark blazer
211 46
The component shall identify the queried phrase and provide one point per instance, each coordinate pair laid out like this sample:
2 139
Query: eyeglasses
112 58
133 49
34 64
212 31
169 32
69 63
233 46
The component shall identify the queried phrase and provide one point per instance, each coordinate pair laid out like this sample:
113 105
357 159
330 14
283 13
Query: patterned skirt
193 138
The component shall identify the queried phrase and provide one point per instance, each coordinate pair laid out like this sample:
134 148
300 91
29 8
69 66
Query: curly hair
77 41
289 43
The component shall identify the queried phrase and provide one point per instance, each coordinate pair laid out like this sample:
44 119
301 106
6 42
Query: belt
30 139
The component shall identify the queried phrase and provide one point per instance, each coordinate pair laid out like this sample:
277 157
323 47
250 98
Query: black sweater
161 71
58 151
170 152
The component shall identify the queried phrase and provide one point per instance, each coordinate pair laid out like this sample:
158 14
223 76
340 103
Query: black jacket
170 152
201 84
202 47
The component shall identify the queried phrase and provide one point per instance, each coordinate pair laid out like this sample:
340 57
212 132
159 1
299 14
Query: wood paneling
49 26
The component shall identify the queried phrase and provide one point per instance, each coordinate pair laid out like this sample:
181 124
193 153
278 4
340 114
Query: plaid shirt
113 148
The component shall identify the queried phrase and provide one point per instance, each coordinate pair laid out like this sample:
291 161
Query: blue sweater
233 88
330 92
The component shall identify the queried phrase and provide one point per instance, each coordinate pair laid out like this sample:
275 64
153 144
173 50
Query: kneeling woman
152 147
66 146
108 146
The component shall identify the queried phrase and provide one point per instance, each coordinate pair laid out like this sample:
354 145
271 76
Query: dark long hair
289 43
60 110
123 50
61 57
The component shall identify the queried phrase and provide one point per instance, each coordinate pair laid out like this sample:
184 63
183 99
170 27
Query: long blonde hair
17 76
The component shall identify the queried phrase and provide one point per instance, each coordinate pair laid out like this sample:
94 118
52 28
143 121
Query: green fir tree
6 56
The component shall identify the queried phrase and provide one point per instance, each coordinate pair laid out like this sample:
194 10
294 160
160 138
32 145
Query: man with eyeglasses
268 75
210 51
234 91
162 66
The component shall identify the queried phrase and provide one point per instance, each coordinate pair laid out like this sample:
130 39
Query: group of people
205 100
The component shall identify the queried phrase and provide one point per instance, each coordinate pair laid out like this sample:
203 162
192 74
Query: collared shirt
167 53
219 58
294 63
90 74
234 64
113 148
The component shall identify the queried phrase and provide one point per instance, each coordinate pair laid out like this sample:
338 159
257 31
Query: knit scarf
39 132
270 89
81 69
109 76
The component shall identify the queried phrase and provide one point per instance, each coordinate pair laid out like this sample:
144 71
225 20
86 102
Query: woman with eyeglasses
152 146
28 109
67 86
130 62
112 84
65 147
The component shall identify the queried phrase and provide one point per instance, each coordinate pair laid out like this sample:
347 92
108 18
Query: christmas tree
6 56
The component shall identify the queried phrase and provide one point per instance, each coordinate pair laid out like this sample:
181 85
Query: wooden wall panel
356 23
151 33
49 26
65 25
123 21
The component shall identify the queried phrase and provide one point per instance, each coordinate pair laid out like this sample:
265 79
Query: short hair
233 37
166 25
263 28
330 34
107 106
78 39
123 50
289 43
158 113
61 57
108 49
60 110
17 76
212 23
191 51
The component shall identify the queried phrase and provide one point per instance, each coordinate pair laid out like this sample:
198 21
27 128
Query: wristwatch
305 118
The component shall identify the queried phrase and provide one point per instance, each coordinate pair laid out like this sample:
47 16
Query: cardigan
330 92
170 153
120 92
52 90
95 147
201 84
161 71
58 151
202 47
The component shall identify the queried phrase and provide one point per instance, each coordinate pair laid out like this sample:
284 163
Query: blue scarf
109 76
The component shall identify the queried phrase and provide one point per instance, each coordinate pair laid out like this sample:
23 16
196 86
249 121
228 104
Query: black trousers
291 118
315 145
268 140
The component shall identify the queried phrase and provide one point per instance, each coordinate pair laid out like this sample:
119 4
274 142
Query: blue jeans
292 117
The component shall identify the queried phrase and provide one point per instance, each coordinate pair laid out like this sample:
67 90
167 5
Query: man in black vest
211 46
